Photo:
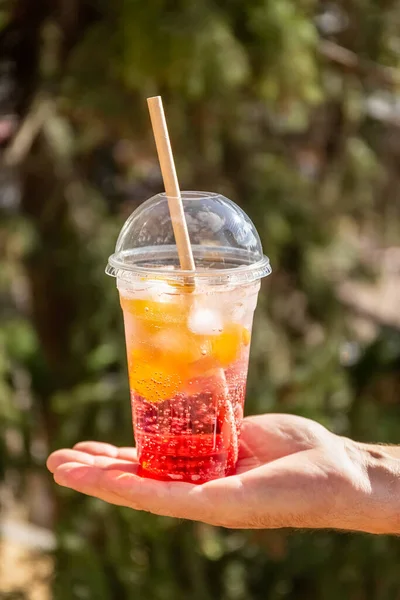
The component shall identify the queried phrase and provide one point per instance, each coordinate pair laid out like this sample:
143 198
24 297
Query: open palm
292 472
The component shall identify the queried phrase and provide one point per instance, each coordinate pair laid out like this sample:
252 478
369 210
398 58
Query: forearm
381 499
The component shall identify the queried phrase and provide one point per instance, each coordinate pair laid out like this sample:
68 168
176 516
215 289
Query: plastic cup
188 345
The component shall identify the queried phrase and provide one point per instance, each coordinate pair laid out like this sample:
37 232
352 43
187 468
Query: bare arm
382 499
292 472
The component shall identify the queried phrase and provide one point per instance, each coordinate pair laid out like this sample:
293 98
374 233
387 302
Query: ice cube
205 321
157 290
160 291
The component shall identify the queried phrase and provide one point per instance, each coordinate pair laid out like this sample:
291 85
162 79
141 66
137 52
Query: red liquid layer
192 437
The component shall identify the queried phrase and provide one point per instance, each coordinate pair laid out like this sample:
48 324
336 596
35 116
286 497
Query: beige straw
171 184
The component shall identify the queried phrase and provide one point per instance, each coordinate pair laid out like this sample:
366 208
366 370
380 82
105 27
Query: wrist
379 497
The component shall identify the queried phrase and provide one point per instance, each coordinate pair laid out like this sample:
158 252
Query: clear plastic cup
188 334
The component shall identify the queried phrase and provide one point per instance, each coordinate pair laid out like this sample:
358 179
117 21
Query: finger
118 486
213 503
128 454
64 456
103 449
73 475
97 448
217 502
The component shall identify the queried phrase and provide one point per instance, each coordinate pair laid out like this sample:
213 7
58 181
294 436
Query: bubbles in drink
187 371
191 437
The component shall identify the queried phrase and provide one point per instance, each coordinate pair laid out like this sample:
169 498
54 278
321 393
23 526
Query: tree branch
351 62
27 133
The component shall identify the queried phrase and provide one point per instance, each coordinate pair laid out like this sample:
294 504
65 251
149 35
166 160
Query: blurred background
292 109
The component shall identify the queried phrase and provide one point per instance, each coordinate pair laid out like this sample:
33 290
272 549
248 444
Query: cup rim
236 274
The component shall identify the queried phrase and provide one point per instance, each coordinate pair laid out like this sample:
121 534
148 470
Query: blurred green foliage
270 102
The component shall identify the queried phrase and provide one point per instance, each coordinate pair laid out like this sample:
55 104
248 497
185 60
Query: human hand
292 472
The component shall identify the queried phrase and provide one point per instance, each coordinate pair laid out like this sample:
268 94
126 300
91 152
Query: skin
292 472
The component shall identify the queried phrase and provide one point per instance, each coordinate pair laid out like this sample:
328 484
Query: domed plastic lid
226 246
